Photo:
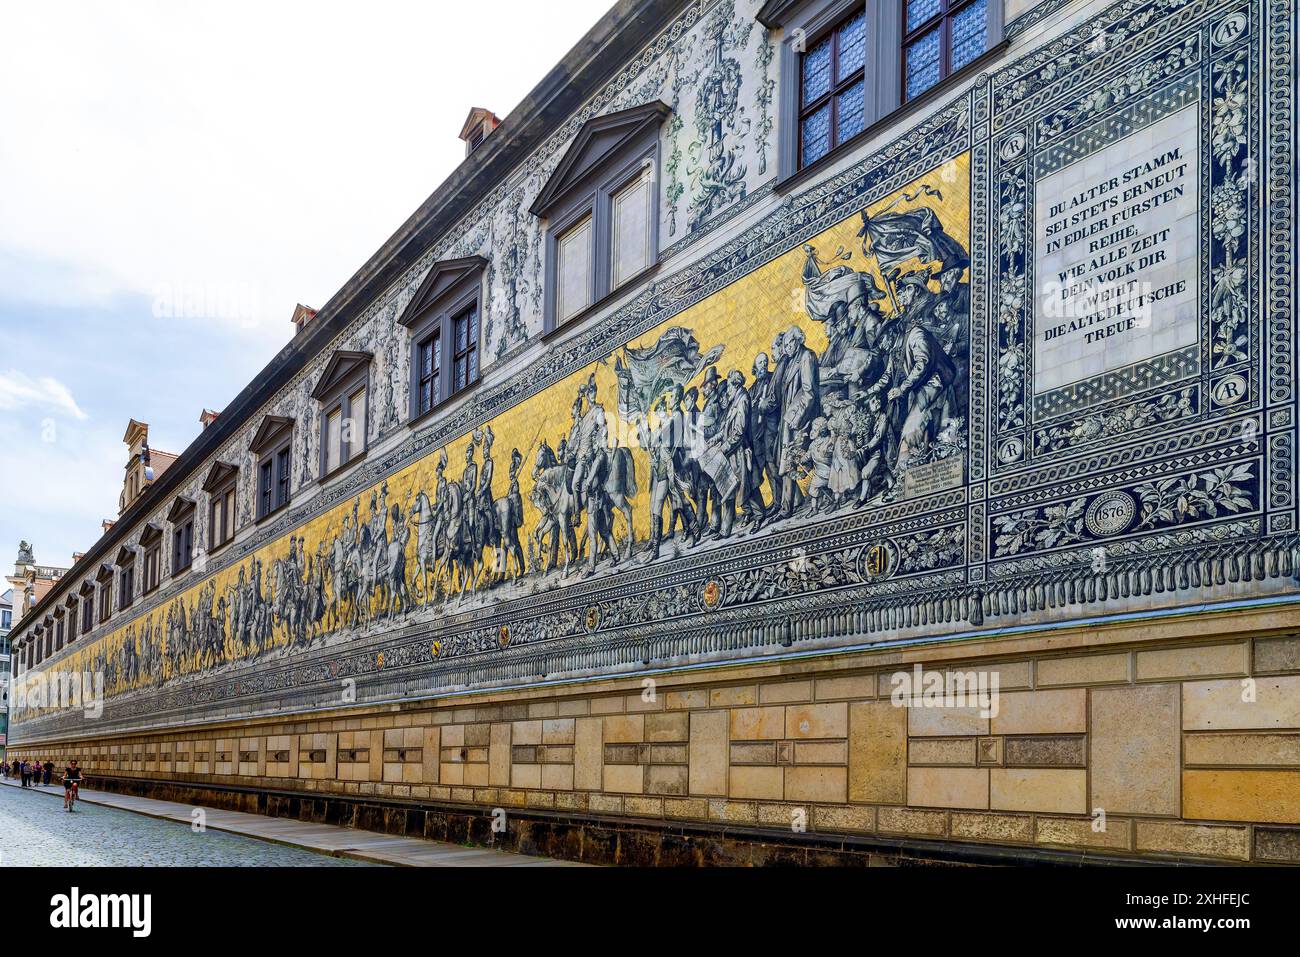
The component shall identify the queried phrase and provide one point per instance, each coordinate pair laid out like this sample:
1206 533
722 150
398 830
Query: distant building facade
875 415
6 624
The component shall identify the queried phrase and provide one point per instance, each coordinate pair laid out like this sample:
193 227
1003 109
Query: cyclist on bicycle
71 780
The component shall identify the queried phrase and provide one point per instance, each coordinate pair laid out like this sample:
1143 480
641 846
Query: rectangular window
229 512
72 622
59 634
126 587
333 441
631 252
833 93
87 614
282 463
266 488
152 569
429 382
464 360
217 522
573 271
105 601
183 547
939 38
356 434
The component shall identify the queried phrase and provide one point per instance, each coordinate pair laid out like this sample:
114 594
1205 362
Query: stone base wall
1164 740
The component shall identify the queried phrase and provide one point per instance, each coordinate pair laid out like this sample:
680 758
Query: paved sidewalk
340 842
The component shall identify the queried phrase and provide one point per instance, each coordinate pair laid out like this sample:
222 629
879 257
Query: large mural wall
1031 360
829 381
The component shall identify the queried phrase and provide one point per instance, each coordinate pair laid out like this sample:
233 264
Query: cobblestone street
35 830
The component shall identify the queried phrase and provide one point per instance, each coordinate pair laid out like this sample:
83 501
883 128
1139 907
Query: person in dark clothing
49 773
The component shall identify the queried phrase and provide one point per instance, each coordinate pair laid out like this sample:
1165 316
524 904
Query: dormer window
105 593
273 448
74 617
444 319
221 485
125 579
87 608
343 396
151 546
601 211
181 519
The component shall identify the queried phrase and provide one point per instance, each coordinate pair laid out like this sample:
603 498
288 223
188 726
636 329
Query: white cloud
19 390
247 151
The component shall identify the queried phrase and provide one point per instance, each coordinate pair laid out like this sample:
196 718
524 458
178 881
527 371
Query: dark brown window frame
104 589
273 448
837 87
451 289
886 107
73 605
151 555
584 185
87 607
60 629
346 374
943 20
222 487
126 560
182 519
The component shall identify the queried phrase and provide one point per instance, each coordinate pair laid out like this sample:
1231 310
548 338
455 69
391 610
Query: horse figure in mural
391 586
287 599
510 518
344 572
431 551
558 507
316 605
614 486
463 557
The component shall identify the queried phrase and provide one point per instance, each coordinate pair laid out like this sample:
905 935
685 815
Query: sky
176 176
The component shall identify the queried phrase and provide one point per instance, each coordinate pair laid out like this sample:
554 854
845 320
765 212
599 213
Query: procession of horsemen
801 435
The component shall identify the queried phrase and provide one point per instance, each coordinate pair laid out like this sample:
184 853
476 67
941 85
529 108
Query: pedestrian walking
25 772
49 772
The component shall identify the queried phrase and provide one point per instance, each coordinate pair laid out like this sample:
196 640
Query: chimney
302 317
77 556
108 525
480 124
208 417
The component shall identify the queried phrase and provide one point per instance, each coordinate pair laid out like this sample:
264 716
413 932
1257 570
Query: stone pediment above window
603 141
106 572
71 601
220 475
125 555
273 431
183 507
88 587
445 279
150 535
776 13
342 370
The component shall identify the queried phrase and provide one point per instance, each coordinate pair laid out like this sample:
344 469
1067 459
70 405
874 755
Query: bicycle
70 798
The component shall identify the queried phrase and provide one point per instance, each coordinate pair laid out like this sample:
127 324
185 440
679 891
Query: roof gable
443 278
273 427
183 506
599 139
220 473
342 367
